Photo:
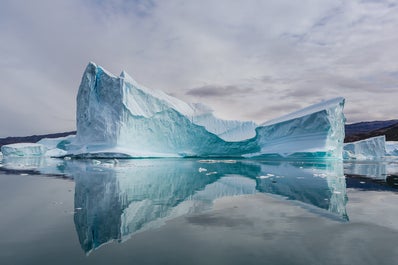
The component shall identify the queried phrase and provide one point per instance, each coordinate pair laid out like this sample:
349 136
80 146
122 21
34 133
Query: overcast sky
247 60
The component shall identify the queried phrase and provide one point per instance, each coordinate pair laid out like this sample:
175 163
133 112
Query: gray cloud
261 55
218 91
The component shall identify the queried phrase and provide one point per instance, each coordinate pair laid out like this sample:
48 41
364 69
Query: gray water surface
191 211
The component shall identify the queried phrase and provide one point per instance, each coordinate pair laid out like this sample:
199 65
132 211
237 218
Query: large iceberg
118 117
367 149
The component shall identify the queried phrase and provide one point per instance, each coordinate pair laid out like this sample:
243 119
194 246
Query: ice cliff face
315 131
115 115
367 149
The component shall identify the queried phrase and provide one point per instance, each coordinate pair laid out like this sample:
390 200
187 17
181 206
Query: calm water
182 211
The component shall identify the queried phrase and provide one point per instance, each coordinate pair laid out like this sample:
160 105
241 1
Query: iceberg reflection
372 175
117 199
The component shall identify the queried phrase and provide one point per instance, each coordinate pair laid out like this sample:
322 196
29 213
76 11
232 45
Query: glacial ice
118 117
23 149
367 149
56 146
59 143
392 148
51 147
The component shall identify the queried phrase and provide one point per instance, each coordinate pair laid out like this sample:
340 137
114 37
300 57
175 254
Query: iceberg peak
124 75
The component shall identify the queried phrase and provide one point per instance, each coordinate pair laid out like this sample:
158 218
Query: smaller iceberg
392 148
49 147
23 149
367 149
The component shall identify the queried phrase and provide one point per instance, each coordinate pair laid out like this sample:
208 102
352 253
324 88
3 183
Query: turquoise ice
117 117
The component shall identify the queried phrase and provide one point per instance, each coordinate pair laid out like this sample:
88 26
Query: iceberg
50 147
56 143
56 146
117 117
392 148
367 149
23 149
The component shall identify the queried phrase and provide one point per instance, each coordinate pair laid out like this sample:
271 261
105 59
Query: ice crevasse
117 117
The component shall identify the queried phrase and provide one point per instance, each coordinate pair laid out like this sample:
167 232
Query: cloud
249 56
218 91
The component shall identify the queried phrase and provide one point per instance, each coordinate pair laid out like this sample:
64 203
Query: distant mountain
32 138
367 126
363 130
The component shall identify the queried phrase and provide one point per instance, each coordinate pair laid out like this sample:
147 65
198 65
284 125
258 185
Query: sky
245 59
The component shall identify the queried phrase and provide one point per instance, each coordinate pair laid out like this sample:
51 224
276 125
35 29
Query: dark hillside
391 133
33 138
367 126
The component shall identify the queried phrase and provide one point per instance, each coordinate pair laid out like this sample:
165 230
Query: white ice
392 148
367 149
23 149
118 117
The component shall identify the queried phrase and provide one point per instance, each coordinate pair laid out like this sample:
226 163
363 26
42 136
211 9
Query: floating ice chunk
264 177
201 169
367 149
118 117
23 149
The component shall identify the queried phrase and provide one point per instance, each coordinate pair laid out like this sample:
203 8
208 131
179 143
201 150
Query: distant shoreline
32 138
